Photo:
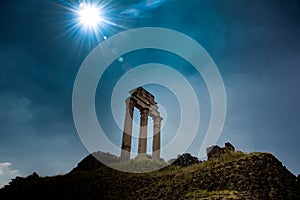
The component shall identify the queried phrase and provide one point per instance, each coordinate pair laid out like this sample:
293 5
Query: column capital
144 112
157 120
130 103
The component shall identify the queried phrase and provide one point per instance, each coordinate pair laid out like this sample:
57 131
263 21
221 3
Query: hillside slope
233 176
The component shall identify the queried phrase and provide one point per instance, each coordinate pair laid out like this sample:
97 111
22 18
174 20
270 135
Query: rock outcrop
91 162
216 152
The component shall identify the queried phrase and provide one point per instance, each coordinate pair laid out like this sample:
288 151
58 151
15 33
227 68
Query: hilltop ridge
232 175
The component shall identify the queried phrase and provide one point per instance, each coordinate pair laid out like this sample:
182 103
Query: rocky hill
230 175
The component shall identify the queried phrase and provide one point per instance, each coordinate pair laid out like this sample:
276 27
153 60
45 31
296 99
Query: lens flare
89 22
90 15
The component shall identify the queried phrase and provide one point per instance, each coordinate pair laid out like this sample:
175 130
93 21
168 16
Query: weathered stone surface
144 101
229 147
156 138
127 133
215 151
142 148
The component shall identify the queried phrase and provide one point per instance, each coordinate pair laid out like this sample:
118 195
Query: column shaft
156 138
127 133
142 148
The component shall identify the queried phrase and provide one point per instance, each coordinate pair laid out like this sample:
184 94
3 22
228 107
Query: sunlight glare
90 15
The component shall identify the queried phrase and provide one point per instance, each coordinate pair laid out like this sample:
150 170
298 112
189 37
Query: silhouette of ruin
144 101
215 151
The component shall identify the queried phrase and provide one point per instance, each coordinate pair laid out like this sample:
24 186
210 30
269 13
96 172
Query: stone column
127 133
156 138
142 149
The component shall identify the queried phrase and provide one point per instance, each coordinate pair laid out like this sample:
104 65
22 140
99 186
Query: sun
90 21
90 16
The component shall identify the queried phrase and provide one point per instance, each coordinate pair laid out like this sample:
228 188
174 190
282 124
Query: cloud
6 173
137 9
20 109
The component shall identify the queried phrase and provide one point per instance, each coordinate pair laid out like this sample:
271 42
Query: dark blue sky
254 43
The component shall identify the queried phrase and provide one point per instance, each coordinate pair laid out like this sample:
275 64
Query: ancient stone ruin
215 151
144 101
